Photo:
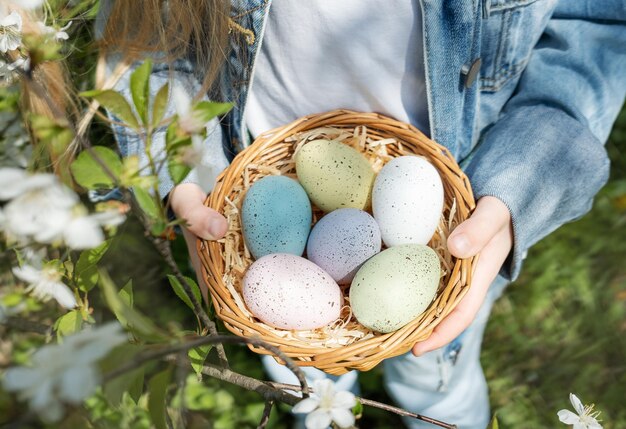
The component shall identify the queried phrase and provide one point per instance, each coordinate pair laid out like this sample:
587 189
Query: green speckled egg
334 175
394 287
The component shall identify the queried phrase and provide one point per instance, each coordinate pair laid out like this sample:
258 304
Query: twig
379 405
265 418
27 326
164 249
261 387
211 339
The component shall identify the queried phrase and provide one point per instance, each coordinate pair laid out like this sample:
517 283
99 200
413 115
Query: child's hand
488 232
187 201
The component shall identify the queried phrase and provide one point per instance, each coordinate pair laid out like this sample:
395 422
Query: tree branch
27 326
211 339
380 405
265 418
164 249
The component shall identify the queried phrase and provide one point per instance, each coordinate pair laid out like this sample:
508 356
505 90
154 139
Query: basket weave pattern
346 344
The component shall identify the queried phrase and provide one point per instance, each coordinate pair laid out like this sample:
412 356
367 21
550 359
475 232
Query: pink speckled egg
289 292
342 241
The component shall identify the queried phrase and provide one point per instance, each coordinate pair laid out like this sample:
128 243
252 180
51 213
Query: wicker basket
346 344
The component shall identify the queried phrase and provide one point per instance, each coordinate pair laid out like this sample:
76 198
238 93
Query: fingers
489 218
488 265
187 202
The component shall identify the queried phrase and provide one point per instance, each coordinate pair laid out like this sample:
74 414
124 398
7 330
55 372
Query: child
523 94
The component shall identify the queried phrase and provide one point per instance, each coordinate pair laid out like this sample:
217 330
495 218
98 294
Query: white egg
407 200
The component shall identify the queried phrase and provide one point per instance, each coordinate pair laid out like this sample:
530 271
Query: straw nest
345 344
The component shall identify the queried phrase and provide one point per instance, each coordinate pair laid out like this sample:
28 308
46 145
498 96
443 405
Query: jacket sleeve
545 157
181 74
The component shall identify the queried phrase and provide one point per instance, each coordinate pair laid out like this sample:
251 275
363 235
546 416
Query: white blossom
585 418
109 218
43 210
63 373
326 406
10 32
57 35
17 181
46 284
22 63
187 121
28 4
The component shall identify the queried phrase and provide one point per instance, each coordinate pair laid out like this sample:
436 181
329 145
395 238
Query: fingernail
461 243
215 229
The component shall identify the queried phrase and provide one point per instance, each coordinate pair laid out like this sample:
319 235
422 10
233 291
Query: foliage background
560 328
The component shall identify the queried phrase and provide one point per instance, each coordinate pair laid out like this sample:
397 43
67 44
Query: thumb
187 201
490 217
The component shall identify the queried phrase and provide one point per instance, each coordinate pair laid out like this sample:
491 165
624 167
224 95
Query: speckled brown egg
394 287
335 175
290 292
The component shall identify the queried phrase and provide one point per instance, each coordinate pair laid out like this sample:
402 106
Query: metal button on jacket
470 72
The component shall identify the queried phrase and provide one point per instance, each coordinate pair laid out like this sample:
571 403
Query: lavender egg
276 217
290 292
342 241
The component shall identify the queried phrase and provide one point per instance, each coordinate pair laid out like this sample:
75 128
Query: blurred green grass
561 327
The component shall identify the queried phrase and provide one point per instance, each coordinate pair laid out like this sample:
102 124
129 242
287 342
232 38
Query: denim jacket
522 92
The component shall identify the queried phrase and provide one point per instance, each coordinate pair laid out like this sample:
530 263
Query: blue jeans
447 384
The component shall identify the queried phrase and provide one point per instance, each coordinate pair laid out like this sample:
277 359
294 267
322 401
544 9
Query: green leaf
207 110
197 357
160 104
147 203
175 140
128 382
494 423
126 297
126 294
137 323
180 291
116 104
86 270
157 388
89 174
140 89
178 171
357 410
56 133
158 228
68 324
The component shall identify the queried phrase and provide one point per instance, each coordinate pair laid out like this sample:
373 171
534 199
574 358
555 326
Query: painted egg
394 287
276 217
342 241
290 292
407 200
335 175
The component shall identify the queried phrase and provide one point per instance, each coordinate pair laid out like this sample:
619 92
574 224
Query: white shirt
320 55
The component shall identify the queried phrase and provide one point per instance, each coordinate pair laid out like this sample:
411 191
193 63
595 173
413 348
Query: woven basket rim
362 354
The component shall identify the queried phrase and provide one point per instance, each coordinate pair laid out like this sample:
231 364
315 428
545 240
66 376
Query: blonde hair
194 29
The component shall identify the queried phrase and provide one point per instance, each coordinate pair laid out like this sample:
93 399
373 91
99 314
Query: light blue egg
276 217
